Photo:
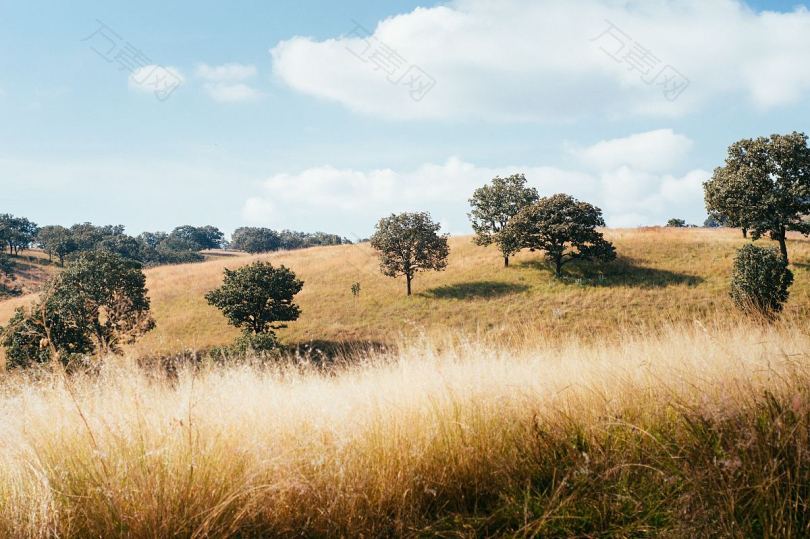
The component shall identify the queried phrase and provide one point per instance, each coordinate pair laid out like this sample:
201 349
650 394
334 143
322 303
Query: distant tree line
264 240
183 244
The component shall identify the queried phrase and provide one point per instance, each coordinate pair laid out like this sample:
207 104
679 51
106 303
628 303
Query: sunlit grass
662 276
694 429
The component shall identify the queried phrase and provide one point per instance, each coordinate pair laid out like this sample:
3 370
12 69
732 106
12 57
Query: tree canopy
17 233
408 243
764 187
97 304
494 205
564 228
255 297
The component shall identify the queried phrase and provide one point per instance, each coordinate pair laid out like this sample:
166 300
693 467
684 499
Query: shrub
760 280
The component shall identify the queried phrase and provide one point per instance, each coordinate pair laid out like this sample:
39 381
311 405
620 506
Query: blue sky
287 115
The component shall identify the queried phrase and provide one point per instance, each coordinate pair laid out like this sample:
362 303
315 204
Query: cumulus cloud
225 83
535 60
230 93
631 191
657 150
226 72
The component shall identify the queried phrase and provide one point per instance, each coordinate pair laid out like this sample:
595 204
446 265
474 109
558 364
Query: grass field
662 276
626 400
691 432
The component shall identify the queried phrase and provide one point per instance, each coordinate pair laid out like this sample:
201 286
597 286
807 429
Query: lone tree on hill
494 205
255 297
408 243
764 187
98 303
676 223
564 228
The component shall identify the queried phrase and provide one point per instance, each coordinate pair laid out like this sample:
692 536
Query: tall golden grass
692 431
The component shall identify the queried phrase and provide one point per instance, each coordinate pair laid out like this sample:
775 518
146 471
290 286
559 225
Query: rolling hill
662 276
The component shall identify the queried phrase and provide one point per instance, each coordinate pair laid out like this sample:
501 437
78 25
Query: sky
322 115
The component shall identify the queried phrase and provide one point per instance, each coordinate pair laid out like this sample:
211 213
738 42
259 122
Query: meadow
628 399
662 277
695 431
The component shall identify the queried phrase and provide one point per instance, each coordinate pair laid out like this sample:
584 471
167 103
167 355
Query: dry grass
663 276
628 400
692 432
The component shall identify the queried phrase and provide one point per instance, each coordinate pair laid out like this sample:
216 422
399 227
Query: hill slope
662 275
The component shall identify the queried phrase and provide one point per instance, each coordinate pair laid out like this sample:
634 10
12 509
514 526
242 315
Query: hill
576 408
662 276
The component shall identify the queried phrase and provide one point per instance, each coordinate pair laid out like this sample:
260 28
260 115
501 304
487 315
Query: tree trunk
745 233
506 261
783 245
408 282
558 267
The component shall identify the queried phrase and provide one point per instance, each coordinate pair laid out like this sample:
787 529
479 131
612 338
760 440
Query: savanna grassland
626 400
662 276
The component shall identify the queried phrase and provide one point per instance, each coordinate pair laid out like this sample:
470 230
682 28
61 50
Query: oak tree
764 187
494 205
255 298
564 228
408 243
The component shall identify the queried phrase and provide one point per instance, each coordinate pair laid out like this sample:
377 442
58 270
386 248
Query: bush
760 280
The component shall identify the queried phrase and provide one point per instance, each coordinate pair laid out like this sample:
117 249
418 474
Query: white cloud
226 72
225 83
231 93
651 151
533 60
631 192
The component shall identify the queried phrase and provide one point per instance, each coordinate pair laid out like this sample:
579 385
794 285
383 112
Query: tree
255 240
255 297
56 240
764 187
17 232
98 303
714 220
760 280
408 243
194 238
564 228
676 223
124 246
152 239
492 208
87 235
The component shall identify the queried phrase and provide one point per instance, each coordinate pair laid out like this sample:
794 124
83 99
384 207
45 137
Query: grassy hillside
662 276
30 268
511 404
687 433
